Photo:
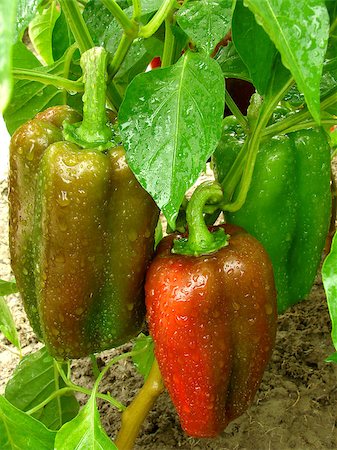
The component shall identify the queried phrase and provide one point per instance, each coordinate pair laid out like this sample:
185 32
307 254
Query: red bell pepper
212 313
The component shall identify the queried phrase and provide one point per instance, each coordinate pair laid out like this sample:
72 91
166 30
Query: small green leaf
7 19
206 22
62 37
8 287
84 432
170 123
300 31
31 97
33 381
20 431
7 324
25 12
329 276
332 358
254 46
231 63
143 361
41 31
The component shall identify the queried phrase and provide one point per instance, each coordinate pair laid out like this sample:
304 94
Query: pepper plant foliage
170 121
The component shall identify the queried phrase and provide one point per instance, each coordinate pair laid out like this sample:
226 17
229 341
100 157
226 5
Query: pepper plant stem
259 122
129 26
135 414
47 78
293 121
137 9
121 52
169 43
152 26
77 24
236 111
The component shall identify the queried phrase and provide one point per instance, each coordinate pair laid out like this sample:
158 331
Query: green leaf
33 381
231 63
329 276
8 287
31 97
170 123
299 30
332 358
62 37
84 432
106 31
41 31
206 22
279 82
254 46
7 18
7 324
149 6
19 431
143 360
26 10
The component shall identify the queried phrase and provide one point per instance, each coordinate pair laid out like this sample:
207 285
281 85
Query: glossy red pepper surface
213 321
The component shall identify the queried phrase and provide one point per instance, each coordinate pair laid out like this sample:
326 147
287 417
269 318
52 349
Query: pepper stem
93 131
200 240
135 414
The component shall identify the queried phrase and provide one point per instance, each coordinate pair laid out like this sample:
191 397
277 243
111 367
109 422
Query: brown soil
295 407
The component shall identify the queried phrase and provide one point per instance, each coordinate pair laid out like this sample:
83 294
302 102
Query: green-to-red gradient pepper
211 309
81 230
288 205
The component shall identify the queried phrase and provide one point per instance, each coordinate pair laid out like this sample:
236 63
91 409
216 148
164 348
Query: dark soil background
295 407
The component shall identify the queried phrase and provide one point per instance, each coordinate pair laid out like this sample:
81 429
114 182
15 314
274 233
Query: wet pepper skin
81 237
213 321
288 206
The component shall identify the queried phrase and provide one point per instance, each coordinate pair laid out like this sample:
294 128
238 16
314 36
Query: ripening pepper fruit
81 233
288 205
211 309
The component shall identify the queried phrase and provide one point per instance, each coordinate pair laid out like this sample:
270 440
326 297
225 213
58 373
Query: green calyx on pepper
213 320
93 131
81 233
200 240
288 205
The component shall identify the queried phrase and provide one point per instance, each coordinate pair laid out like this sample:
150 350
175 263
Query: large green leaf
299 30
329 276
18 431
41 32
206 22
254 46
84 432
170 123
7 324
33 381
7 18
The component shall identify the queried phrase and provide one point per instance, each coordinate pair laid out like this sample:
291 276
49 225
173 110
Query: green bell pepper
81 228
288 205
